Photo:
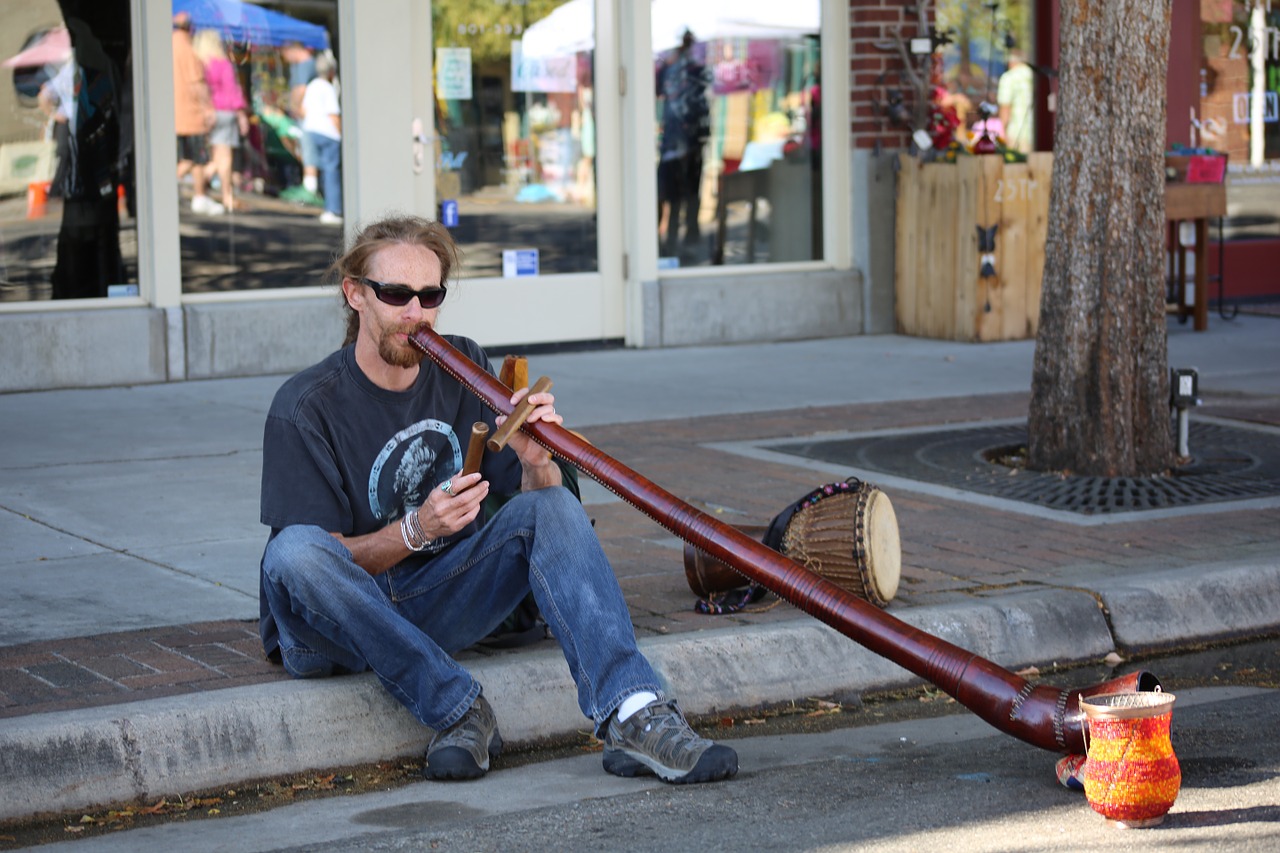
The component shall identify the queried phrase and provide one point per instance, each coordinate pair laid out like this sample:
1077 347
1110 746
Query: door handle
420 142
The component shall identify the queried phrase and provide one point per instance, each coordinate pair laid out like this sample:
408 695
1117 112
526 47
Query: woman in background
232 121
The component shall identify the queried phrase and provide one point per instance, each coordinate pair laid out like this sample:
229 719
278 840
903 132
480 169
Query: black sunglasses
399 294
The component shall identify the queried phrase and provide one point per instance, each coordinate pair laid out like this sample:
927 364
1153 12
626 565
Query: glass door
516 119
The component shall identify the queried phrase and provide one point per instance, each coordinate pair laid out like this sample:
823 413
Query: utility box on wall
969 255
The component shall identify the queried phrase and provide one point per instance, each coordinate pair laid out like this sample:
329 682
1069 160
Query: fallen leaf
156 809
73 829
1029 672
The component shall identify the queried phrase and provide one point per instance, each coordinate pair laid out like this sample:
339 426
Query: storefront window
257 111
516 134
1239 110
739 132
67 229
989 74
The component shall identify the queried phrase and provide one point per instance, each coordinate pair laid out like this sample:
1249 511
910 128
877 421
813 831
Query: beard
399 354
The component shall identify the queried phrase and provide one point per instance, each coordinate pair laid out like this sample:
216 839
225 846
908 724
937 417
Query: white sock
310 182
634 703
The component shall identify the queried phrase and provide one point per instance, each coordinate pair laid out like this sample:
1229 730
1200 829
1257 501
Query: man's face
387 327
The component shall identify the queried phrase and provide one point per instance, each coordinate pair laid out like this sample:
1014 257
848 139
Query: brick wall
873 70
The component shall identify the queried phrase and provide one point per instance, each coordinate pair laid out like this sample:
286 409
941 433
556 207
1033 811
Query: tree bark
1100 387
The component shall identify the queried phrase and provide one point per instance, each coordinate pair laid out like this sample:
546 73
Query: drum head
884 549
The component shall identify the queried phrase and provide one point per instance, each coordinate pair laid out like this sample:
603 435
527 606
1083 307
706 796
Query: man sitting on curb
378 558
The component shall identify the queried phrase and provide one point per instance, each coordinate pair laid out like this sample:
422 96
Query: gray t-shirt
343 454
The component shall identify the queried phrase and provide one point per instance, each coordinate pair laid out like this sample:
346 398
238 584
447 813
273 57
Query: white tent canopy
719 19
571 28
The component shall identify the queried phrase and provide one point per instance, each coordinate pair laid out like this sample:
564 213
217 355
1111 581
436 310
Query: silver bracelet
416 532
407 534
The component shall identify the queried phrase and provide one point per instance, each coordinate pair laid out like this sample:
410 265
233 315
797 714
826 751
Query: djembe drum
846 532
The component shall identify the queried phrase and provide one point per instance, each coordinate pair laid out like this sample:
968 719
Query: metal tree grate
1229 463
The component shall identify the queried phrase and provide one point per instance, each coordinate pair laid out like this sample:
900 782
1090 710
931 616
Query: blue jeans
329 163
404 624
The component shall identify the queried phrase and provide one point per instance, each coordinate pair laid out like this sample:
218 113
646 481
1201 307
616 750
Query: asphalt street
943 783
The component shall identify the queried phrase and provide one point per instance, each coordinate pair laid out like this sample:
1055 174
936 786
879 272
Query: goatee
400 354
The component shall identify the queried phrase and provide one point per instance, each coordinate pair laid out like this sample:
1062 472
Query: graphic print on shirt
413 462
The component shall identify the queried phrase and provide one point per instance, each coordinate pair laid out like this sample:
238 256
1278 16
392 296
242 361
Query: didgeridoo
1041 715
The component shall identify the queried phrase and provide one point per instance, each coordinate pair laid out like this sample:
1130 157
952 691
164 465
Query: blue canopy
252 24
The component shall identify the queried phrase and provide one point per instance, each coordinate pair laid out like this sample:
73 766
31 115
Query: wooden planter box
938 282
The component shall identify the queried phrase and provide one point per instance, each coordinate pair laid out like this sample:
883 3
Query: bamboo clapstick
475 450
517 417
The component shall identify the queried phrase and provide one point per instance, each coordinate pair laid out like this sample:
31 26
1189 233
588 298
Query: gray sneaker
463 750
657 739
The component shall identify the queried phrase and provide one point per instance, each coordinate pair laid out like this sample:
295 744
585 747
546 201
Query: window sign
517 263
449 213
542 73
1246 112
453 73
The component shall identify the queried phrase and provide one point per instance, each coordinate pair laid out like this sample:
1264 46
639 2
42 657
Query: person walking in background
322 125
57 98
193 115
88 250
231 121
682 82
1014 95
302 70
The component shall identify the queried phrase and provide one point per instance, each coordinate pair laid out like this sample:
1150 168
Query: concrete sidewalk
129 661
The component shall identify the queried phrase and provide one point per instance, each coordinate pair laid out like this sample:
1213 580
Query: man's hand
452 505
539 472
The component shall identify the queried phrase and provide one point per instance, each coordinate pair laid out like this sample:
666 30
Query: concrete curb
78 759
84 758
1193 605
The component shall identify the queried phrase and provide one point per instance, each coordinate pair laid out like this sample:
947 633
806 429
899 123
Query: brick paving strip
950 548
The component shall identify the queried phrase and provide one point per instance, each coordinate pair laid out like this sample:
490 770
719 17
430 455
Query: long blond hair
207 45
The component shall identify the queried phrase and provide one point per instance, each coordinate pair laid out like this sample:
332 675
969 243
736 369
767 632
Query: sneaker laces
671 732
469 732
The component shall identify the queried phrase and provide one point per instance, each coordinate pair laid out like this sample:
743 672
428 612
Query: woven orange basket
1131 776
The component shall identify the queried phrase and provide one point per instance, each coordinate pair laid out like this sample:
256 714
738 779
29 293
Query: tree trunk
1100 387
